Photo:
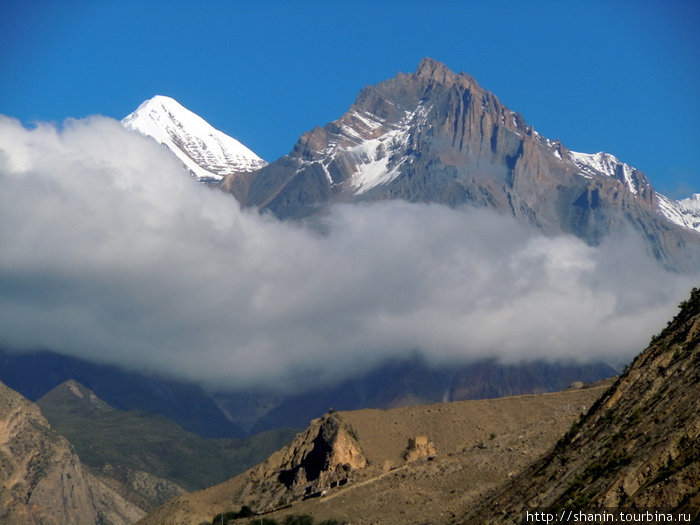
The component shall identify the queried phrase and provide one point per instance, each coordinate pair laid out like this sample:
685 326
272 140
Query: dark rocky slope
411 381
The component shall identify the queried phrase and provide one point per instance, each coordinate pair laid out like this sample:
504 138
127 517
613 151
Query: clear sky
619 76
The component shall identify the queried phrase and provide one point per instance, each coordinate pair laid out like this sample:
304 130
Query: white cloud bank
109 252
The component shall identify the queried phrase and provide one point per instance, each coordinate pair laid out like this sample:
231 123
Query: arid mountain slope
372 464
42 479
638 446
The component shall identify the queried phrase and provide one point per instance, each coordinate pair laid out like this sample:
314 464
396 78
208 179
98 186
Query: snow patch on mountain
374 147
370 120
605 164
692 203
373 167
376 158
206 152
685 212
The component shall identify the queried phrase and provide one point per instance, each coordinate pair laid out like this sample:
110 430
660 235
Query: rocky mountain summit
35 374
77 413
636 447
437 136
42 479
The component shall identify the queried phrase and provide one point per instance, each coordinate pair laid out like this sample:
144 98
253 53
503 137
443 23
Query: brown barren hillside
637 447
393 466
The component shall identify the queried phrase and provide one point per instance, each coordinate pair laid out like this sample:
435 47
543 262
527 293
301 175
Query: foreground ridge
637 447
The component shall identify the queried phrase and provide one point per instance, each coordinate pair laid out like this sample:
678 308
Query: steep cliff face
43 481
638 446
437 136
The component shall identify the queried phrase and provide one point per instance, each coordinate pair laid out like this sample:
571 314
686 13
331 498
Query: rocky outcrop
437 136
419 447
637 446
324 456
43 481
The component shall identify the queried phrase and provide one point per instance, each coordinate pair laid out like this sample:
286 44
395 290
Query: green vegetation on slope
149 442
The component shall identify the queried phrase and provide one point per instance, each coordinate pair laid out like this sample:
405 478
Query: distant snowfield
685 213
111 252
606 164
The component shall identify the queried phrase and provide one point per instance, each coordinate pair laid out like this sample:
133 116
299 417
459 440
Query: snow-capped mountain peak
206 152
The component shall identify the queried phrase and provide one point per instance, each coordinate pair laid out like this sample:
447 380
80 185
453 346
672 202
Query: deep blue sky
619 76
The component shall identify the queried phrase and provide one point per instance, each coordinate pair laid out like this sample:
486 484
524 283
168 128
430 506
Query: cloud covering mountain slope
110 253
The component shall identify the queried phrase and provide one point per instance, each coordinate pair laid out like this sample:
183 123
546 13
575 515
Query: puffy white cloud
110 252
